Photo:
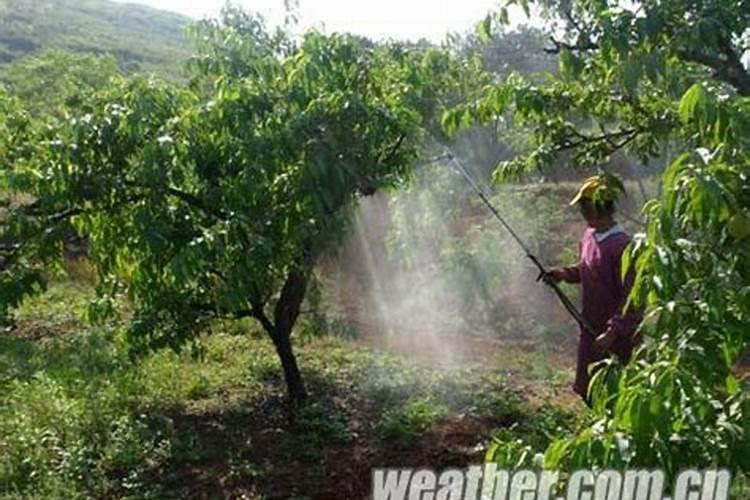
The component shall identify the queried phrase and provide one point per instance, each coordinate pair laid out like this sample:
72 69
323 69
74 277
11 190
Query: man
599 273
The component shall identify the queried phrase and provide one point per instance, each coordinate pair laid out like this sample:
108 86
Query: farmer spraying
605 328
609 330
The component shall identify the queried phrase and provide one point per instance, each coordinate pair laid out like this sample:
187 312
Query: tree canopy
214 199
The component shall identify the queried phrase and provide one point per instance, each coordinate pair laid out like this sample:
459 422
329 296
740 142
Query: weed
407 423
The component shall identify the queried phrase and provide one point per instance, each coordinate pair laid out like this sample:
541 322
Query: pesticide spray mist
428 272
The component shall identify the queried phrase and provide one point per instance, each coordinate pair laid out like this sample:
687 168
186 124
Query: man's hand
603 343
552 276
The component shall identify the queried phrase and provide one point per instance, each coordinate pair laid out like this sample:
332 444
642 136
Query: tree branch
610 138
259 313
196 202
573 47
255 311
728 69
10 251
184 196
367 189
393 150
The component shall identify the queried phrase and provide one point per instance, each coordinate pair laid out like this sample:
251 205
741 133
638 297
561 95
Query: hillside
140 37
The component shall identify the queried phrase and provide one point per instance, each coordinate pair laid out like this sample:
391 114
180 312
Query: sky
405 19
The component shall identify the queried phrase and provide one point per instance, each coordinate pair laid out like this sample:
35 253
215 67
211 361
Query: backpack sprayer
566 302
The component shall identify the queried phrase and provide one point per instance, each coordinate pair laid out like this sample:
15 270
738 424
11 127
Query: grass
406 423
78 415
80 418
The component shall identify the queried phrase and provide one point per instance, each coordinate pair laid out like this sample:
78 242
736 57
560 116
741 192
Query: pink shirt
599 272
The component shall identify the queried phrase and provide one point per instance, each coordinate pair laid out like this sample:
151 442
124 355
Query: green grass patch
406 423
80 418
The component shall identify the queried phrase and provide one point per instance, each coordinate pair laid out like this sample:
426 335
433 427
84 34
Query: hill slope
140 37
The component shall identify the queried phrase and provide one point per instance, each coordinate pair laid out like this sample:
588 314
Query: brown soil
256 452
252 449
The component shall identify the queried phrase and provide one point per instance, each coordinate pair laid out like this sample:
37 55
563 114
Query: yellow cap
603 186
587 189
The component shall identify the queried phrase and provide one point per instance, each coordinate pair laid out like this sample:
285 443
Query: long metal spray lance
566 302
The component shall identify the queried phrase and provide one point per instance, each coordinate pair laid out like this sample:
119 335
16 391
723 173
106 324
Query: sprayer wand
566 302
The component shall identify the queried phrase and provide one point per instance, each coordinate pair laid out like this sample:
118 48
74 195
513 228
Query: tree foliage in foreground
214 200
641 78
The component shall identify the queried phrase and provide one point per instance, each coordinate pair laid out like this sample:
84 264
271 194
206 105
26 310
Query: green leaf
484 29
691 101
503 17
631 72
570 64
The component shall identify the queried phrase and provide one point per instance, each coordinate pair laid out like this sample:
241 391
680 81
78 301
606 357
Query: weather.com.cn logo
490 483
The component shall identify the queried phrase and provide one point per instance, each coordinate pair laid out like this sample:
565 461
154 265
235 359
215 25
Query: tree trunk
285 316
294 384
